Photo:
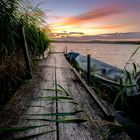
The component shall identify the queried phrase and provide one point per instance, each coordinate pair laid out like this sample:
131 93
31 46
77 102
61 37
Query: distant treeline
15 14
100 42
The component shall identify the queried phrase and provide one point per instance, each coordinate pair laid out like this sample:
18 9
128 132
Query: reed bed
13 15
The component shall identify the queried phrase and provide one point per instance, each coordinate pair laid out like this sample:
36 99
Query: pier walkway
57 99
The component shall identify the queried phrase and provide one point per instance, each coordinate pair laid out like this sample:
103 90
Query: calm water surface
115 54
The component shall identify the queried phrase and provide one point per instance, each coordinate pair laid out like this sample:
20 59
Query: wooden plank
75 131
16 113
108 114
72 131
56 70
67 78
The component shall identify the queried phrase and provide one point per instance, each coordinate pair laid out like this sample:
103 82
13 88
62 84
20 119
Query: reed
130 77
13 14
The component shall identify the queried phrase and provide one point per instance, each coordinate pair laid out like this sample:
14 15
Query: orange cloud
110 26
94 14
105 19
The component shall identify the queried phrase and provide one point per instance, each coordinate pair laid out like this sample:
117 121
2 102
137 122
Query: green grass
19 129
65 120
55 98
58 114
13 14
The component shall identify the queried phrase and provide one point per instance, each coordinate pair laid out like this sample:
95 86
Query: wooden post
88 69
25 52
66 49
42 50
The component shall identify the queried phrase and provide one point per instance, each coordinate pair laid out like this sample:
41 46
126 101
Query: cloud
114 17
111 26
95 14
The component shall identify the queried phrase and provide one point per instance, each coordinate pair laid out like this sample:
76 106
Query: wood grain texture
55 70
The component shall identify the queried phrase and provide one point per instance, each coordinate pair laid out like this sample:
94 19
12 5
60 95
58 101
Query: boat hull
111 81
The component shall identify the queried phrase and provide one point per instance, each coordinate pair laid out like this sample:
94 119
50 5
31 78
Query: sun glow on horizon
88 30
93 17
95 21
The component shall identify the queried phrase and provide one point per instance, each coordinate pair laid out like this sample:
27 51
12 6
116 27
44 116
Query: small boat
106 74
117 80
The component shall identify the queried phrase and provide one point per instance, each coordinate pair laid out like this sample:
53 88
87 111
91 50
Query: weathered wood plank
83 131
55 70
67 78
16 113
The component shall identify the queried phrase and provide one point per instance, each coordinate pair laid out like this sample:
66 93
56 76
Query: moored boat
119 81
116 79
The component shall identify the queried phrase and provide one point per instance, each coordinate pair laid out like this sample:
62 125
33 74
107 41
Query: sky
91 17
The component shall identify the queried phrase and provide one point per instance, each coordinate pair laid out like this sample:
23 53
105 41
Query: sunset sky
91 17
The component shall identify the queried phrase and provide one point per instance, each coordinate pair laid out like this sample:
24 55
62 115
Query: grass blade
71 120
55 98
130 82
58 90
135 67
18 129
58 114
63 90
135 52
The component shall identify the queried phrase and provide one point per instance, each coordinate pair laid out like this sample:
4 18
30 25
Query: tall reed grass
13 14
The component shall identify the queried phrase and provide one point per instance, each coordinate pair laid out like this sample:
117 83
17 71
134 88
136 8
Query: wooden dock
58 99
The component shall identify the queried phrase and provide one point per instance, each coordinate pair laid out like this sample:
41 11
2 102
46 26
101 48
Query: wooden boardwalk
44 94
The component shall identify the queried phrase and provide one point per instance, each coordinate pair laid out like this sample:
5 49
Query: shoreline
99 42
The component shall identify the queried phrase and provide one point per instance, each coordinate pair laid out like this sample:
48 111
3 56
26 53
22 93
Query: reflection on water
115 54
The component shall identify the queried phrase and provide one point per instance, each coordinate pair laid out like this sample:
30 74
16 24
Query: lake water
114 54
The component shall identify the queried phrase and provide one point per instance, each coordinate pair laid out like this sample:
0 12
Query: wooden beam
88 69
25 52
66 49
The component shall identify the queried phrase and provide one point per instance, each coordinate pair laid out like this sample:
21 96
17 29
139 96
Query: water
114 54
